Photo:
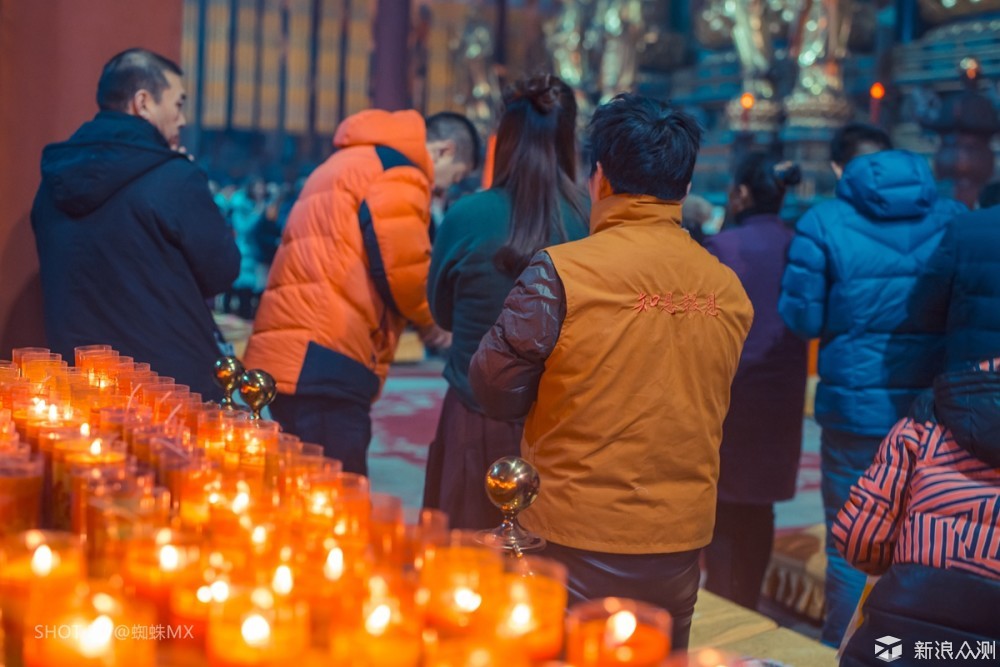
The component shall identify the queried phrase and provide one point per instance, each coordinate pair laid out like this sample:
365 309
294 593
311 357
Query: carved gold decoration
939 11
819 44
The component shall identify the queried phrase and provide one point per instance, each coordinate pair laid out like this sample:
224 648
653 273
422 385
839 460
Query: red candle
615 632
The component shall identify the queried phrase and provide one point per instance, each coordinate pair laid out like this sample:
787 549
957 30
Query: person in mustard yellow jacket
351 271
620 348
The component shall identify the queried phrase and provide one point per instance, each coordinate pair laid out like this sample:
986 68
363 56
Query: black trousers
740 551
669 581
343 428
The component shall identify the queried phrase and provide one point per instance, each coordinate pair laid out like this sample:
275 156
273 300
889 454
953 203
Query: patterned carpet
405 418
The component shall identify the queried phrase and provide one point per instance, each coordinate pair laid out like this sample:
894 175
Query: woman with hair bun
482 245
762 434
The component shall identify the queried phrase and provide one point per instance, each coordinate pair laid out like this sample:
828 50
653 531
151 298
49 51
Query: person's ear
443 148
838 170
599 185
140 103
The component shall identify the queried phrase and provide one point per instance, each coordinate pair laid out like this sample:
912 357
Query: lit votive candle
387 631
91 625
463 583
37 564
534 610
156 561
67 456
616 632
20 492
257 629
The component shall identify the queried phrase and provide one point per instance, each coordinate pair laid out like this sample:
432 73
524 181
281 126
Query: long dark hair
767 180
535 163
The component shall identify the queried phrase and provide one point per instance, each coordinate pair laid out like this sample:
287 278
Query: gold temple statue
478 84
819 43
754 46
624 35
594 46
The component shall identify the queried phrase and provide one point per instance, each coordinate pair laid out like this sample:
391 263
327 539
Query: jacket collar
619 210
750 218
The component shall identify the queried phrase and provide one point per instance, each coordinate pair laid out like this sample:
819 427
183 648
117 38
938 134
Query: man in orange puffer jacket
351 271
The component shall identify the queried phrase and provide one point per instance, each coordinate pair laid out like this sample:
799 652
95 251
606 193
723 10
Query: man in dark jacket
130 242
852 267
961 291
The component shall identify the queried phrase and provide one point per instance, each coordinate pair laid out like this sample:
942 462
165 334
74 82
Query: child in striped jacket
926 516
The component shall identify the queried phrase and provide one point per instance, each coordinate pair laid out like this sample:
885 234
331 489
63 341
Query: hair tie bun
541 91
788 173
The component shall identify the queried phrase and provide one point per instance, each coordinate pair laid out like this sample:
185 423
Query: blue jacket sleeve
932 294
804 285
507 367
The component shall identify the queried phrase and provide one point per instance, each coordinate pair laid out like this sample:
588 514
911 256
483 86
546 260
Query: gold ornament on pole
512 485
227 374
258 390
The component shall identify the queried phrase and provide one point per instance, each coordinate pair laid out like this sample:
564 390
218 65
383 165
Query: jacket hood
889 185
101 158
968 403
404 131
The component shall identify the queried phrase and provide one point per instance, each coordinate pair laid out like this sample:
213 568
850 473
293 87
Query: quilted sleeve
507 367
804 284
867 527
399 204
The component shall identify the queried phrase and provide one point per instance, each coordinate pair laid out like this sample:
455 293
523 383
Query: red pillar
390 74
51 54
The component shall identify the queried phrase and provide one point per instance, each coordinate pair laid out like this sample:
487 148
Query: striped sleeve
867 527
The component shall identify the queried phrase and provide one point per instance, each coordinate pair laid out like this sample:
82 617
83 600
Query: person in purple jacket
762 434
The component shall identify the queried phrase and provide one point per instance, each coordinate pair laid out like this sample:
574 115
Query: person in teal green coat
482 245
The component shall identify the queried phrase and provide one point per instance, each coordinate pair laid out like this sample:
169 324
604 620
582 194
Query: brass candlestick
512 485
227 375
257 389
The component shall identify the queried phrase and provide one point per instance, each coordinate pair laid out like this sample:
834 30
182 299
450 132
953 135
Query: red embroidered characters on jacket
689 302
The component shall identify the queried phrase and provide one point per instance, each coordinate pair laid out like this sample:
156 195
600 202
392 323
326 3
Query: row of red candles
141 521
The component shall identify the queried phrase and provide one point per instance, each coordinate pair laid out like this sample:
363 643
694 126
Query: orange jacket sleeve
399 202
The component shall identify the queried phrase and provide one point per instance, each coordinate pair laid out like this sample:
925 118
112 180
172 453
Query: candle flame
170 558
96 639
43 561
262 597
241 502
256 631
283 581
104 603
95 447
220 591
259 535
467 599
621 626
334 567
378 620
39 406
85 430
521 618
53 413
204 594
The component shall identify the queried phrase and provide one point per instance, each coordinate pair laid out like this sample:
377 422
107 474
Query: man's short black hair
457 128
646 147
129 72
857 139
